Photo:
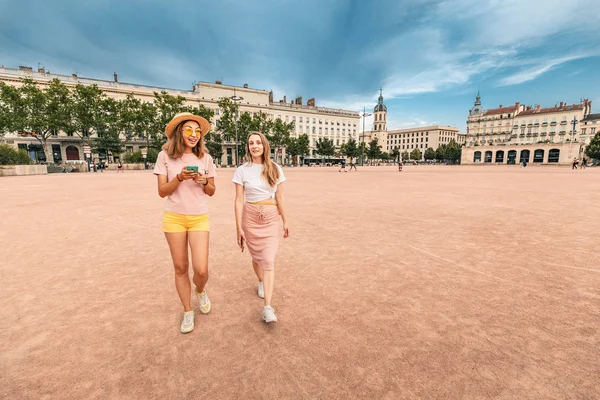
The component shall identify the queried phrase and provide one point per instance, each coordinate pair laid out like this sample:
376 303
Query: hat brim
182 117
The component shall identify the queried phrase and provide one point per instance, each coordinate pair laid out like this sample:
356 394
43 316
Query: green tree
280 135
214 145
593 149
395 153
325 147
130 118
107 142
430 154
351 148
44 112
87 111
11 106
416 154
452 151
298 147
374 150
405 155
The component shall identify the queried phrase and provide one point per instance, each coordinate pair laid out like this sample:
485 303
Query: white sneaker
269 314
187 325
204 302
261 290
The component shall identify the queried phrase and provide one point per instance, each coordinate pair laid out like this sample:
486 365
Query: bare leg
269 282
258 271
178 246
199 246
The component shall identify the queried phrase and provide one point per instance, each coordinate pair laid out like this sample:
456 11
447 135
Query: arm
239 209
209 186
281 208
165 187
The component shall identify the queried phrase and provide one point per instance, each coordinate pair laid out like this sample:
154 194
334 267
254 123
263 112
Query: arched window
477 156
553 155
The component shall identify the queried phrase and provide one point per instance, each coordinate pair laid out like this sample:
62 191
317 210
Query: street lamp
235 99
364 115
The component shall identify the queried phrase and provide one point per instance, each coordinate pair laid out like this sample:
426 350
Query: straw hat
186 116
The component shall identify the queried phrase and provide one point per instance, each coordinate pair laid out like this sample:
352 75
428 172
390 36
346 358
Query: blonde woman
186 176
258 206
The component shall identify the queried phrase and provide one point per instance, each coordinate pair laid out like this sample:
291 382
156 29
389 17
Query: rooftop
549 110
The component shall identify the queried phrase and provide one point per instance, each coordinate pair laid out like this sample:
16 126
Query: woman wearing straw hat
258 205
186 176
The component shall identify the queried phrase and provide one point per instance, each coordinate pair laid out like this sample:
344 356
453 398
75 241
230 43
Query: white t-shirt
256 188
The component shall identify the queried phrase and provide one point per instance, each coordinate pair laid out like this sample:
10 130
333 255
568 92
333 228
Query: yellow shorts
173 223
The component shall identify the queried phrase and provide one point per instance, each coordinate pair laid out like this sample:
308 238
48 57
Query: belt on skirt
261 205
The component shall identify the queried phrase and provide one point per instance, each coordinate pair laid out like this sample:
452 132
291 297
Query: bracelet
179 179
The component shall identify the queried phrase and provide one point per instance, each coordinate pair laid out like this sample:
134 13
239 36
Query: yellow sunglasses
190 131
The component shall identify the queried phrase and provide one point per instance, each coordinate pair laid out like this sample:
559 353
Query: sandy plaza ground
437 282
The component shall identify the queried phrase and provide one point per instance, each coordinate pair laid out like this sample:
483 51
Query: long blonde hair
176 145
270 171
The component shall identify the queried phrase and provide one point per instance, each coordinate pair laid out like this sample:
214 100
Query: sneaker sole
187 331
270 321
207 311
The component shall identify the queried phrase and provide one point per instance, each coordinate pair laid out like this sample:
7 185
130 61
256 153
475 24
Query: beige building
317 122
408 139
509 135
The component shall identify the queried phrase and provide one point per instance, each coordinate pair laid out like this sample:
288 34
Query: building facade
509 135
408 139
317 122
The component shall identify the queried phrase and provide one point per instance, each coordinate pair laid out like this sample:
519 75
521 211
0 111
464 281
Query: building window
300 119
217 111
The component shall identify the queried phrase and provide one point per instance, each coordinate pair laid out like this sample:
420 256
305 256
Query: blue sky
430 56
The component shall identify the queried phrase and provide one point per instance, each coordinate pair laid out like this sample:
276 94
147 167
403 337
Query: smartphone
192 168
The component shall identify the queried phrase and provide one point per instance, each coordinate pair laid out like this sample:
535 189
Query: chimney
561 104
115 77
218 82
245 86
311 102
74 75
500 105
299 100
538 108
517 105
41 70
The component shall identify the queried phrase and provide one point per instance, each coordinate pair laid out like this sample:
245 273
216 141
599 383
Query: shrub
11 156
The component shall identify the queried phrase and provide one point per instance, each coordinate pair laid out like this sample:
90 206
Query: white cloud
537 70
498 34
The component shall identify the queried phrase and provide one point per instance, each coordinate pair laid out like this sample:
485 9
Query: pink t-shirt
189 197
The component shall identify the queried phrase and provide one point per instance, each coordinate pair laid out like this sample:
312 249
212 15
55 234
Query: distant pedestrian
575 162
399 164
343 165
120 166
584 163
353 163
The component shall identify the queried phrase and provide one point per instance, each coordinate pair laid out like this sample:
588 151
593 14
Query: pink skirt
261 227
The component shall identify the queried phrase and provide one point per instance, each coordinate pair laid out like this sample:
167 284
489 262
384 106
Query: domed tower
477 109
380 114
